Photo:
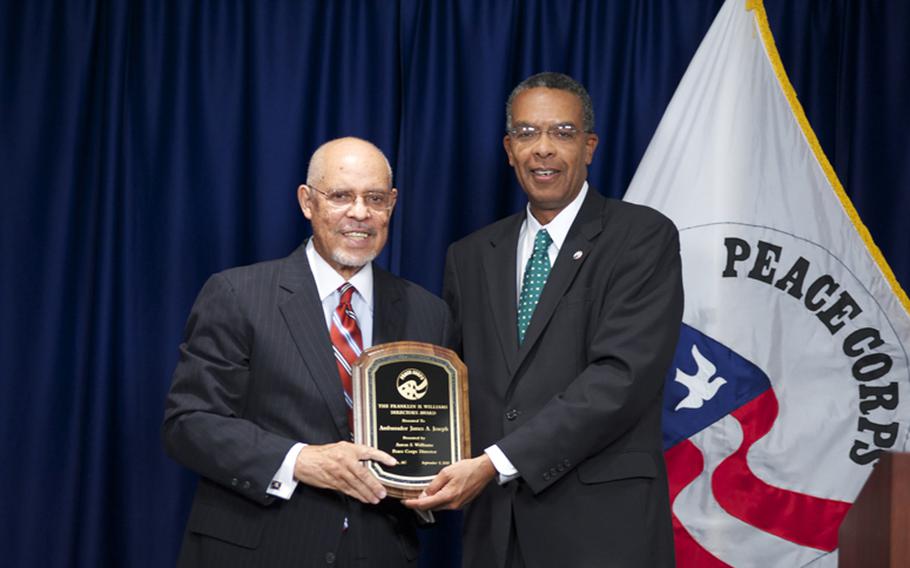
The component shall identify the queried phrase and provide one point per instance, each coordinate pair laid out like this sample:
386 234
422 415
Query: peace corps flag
791 374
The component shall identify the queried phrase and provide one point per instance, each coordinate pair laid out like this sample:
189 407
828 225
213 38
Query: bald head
348 198
341 153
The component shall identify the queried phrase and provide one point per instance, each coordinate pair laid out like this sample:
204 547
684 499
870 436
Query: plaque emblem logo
412 384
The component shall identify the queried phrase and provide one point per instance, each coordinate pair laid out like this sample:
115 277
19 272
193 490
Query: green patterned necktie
536 272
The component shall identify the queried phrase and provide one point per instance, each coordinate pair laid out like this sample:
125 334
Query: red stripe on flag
684 464
797 517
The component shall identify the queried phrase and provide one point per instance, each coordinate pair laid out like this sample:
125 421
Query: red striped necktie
346 343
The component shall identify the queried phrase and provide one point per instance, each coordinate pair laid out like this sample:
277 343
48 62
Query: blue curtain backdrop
145 144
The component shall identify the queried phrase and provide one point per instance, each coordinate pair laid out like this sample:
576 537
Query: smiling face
550 171
348 237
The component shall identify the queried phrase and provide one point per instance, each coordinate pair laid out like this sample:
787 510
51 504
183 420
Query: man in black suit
258 404
568 315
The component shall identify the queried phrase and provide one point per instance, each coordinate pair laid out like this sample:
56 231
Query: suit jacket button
546 476
512 414
560 467
565 463
246 484
329 557
234 482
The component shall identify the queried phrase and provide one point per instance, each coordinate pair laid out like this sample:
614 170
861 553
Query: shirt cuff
283 483
504 467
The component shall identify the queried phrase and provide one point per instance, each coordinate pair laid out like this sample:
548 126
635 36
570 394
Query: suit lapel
302 312
580 239
387 311
499 266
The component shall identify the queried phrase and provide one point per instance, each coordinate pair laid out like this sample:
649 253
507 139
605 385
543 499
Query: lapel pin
577 255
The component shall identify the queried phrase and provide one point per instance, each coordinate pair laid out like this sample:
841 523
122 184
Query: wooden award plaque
411 401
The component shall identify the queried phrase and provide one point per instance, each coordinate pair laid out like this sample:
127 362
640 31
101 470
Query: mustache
360 228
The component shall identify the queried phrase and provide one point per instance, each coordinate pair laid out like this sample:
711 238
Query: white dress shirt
558 229
327 283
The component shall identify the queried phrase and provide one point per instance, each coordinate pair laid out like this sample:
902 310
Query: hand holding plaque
411 401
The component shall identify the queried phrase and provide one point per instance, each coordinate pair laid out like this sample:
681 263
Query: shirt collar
559 227
328 281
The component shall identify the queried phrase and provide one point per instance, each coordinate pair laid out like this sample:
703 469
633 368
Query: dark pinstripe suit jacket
256 375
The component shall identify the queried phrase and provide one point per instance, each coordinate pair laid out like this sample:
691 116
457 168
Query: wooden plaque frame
411 401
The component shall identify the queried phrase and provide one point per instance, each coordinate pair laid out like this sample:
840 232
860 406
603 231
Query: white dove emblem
701 387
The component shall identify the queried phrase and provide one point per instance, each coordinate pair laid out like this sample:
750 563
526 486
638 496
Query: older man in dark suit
260 401
568 314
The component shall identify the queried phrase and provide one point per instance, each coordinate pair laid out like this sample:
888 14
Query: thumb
440 481
381 457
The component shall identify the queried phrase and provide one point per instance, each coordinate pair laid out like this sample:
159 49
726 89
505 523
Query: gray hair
559 81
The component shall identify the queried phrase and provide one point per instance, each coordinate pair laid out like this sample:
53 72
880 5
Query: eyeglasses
564 133
377 201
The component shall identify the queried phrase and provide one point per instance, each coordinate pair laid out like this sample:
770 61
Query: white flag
791 375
